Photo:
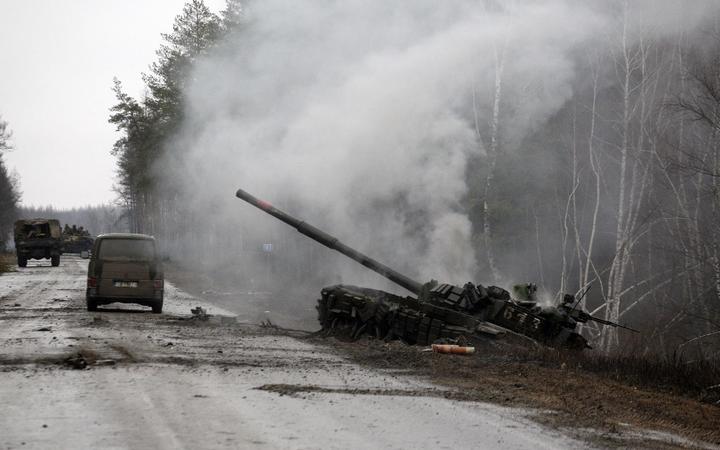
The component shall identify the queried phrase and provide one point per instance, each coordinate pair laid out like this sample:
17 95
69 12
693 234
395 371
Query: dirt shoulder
606 412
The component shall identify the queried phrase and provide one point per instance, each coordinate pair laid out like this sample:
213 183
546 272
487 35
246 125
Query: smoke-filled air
562 143
363 116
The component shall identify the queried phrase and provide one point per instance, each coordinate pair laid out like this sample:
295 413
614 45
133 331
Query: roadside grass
581 391
7 262
698 379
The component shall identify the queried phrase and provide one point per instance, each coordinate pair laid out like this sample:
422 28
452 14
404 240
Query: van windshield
127 250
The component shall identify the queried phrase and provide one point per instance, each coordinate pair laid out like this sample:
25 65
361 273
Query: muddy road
125 378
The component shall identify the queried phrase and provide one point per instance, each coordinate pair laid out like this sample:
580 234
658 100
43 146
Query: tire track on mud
34 304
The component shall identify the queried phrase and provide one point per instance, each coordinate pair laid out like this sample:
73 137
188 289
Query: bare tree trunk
715 213
633 179
596 174
609 337
492 161
541 269
576 180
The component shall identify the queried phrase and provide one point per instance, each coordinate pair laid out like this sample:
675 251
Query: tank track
355 311
451 313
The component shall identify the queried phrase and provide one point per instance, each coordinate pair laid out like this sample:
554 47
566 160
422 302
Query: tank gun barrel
333 243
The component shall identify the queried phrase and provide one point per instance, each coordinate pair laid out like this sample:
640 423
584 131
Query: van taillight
158 284
92 282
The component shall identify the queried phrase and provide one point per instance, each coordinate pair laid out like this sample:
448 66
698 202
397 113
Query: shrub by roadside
7 262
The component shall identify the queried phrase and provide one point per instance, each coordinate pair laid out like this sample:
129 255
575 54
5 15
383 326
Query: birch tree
492 158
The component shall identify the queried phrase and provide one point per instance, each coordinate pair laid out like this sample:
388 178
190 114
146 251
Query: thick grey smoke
361 116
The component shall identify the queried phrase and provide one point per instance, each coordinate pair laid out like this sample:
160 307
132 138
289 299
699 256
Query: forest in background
9 190
618 188
95 219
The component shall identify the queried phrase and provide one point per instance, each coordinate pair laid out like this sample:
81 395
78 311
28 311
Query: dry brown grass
8 262
696 379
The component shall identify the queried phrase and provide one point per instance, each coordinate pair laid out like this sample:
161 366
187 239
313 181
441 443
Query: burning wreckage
439 311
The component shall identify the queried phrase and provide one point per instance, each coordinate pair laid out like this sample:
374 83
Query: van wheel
157 308
22 261
91 305
55 260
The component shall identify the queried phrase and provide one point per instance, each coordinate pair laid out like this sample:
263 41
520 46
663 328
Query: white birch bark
492 160
596 175
609 339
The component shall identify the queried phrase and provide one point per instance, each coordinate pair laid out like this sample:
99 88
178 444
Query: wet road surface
173 381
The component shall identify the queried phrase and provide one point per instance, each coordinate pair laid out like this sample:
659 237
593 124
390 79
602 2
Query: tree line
9 188
96 220
147 125
618 190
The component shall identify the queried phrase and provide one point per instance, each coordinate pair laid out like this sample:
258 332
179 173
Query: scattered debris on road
77 361
268 324
105 362
199 313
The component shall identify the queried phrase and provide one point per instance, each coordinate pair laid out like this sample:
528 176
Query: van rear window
127 249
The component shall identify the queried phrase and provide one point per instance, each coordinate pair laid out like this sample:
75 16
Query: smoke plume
361 117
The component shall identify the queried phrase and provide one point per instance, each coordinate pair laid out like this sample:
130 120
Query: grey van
125 268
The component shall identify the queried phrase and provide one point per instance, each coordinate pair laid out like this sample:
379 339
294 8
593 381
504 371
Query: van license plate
125 284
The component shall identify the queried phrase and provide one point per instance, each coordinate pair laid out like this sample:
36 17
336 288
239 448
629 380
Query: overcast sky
57 63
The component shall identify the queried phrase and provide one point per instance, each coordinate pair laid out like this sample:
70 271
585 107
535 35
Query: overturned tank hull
355 311
363 311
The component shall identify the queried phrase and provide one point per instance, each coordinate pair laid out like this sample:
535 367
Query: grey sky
56 69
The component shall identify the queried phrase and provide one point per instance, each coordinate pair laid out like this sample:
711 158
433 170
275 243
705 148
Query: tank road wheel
22 261
55 260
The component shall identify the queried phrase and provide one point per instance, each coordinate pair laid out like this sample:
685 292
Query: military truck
38 239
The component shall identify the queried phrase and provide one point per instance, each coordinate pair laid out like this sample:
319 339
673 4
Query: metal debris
105 362
200 313
452 349
76 361
267 324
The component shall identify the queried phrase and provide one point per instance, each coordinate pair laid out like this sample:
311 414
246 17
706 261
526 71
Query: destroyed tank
438 311
76 239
